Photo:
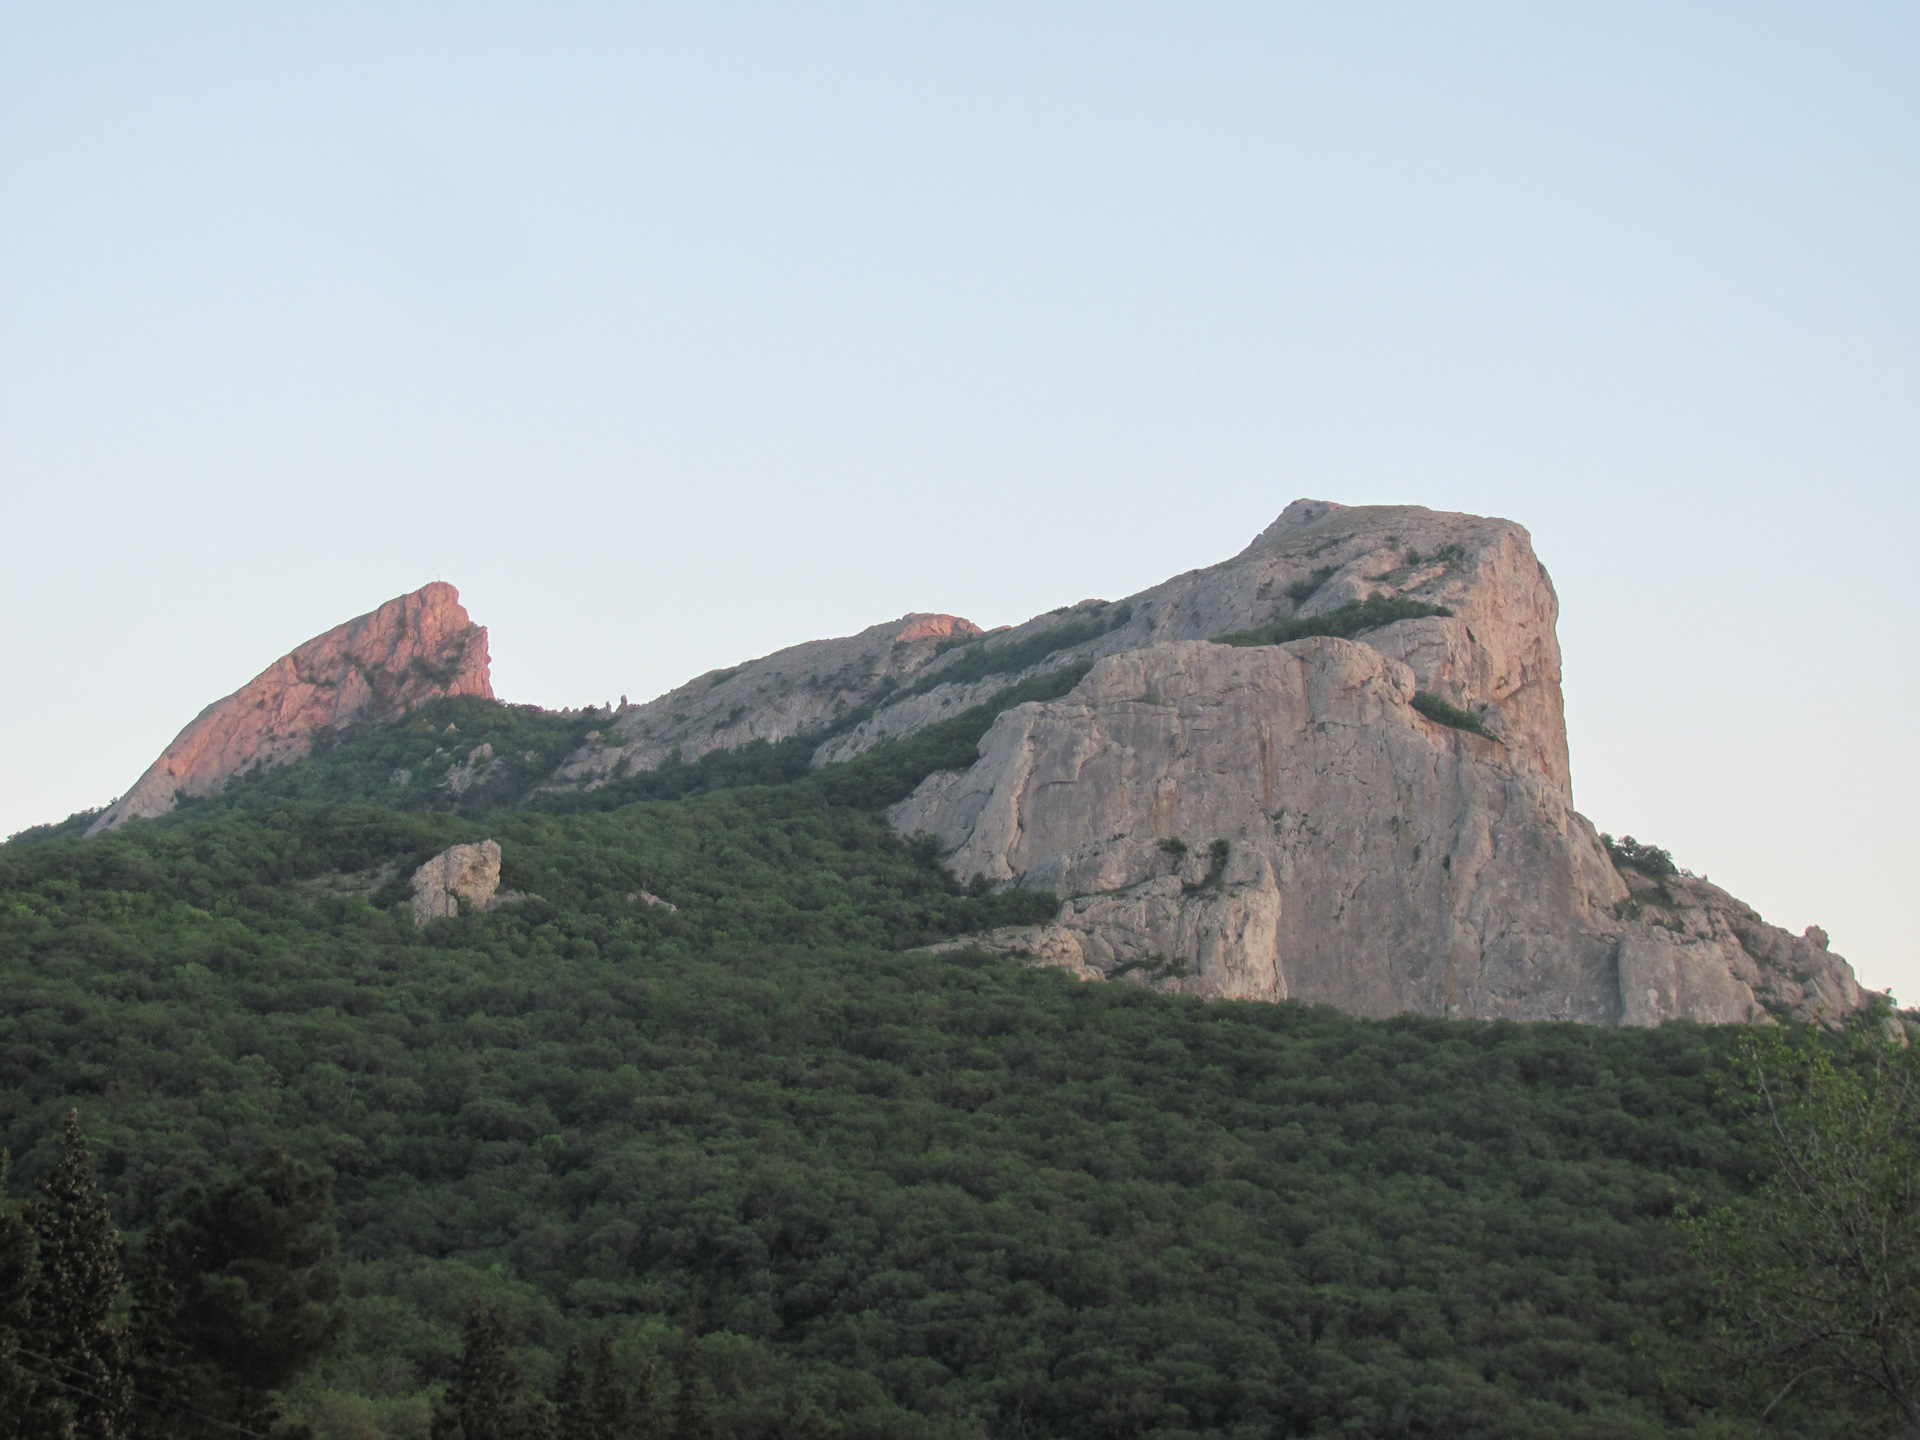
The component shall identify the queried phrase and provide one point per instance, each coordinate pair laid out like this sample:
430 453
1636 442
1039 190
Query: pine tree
693 1391
254 1264
17 1272
646 1402
159 1362
612 1417
72 1301
572 1411
487 1399
233 1294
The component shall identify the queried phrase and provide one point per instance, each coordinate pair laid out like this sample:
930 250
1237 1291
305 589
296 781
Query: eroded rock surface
1373 858
462 872
796 691
372 669
1280 822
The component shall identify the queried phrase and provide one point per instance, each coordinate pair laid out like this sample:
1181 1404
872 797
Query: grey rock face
462 872
1279 821
792 692
1373 860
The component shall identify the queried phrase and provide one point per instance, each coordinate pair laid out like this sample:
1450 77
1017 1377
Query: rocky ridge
1289 819
796 691
372 669
1332 768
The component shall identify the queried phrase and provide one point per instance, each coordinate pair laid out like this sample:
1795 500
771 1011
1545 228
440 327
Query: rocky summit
1333 769
372 669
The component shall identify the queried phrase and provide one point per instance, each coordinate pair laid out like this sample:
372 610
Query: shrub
1628 853
1302 590
981 660
1216 869
1442 713
1355 618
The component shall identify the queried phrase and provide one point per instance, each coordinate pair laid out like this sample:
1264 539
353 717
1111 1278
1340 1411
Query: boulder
461 872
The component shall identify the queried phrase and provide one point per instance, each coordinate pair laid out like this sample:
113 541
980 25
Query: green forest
751 1164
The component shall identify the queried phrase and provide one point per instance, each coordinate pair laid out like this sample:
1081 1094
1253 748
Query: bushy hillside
908 1194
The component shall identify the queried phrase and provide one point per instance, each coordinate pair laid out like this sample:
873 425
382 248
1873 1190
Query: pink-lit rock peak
375 667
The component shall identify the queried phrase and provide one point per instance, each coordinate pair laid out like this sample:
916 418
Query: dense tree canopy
914 1194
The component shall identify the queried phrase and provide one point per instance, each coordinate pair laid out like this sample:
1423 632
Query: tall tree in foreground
77 1354
1817 1274
17 1272
693 1391
572 1408
612 1416
236 1293
487 1399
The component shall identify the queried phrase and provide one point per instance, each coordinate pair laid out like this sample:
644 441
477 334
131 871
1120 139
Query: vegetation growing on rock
1354 618
1444 712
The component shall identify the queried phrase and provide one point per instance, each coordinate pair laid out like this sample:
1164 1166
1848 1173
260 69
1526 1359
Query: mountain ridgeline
1363 708
723 1065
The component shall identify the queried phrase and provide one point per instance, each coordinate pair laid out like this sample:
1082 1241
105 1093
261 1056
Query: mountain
707 1036
1333 768
370 670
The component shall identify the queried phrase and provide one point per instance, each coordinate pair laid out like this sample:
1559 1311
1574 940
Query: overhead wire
147 1399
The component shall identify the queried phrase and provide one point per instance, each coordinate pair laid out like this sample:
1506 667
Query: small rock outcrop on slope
371 669
461 872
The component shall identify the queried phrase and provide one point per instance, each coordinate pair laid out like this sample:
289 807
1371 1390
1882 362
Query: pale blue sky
675 334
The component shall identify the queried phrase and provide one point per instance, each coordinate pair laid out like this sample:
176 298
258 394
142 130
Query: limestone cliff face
371 669
1280 822
1495 654
790 692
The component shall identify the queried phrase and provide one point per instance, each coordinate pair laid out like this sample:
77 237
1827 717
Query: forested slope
901 1193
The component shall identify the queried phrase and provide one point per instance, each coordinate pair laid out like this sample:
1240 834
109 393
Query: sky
675 334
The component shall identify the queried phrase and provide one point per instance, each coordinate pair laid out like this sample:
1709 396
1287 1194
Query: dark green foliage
925 1197
1217 854
693 1396
909 1189
603 1408
572 1407
889 772
17 1275
1354 618
70 828
529 743
249 1269
758 762
1301 591
487 1399
166 1391
983 658
611 1414
1817 1274
1650 860
428 744
1118 616
1443 712
82 1371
